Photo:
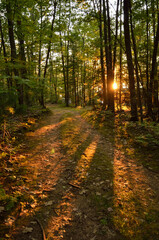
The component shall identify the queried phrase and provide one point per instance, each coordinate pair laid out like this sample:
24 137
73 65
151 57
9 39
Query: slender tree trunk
13 49
84 87
39 60
67 75
136 65
116 35
77 88
48 54
110 74
102 56
83 72
63 68
120 87
9 80
156 102
134 115
56 88
153 71
147 52
106 46
74 78
22 56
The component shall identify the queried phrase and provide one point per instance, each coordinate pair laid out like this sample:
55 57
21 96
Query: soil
82 185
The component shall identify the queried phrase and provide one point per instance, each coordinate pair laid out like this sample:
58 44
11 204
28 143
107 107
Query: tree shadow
58 194
135 201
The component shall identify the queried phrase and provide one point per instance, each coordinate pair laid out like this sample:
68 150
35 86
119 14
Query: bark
147 49
9 80
39 60
22 56
84 88
156 102
120 87
67 75
63 68
13 49
102 56
136 65
48 54
74 78
116 35
134 115
153 72
56 88
110 75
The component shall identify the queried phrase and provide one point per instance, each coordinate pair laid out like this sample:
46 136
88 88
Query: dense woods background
73 52
90 171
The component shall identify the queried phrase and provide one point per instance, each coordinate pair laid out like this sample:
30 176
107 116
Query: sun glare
115 86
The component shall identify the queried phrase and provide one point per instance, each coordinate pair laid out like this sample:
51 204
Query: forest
73 52
79 119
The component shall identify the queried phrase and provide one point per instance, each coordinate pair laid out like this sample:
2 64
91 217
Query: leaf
110 209
27 230
52 151
3 155
49 203
1 209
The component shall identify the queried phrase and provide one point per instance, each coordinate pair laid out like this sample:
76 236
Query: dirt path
84 187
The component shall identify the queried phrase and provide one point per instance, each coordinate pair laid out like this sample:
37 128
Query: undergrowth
142 137
13 173
135 200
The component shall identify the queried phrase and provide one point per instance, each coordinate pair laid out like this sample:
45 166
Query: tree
134 115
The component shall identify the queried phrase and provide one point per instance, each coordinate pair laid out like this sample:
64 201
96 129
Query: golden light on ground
43 130
72 136
67 205
85 161
133 195
56 225
115 86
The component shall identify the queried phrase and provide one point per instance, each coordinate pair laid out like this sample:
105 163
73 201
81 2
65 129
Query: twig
42 229
75 186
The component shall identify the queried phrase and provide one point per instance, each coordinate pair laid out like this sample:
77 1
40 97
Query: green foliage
7 200
2 193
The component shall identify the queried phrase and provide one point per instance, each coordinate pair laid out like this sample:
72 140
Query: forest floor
81 175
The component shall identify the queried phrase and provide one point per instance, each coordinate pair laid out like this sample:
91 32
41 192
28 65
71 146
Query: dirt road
81 186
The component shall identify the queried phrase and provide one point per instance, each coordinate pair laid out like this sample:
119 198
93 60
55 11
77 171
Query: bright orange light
115 86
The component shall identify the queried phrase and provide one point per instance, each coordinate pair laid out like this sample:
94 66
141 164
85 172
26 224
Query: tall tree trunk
9 80
56 87
116 35
102 56
106 46
110 75
84 87
13 49
74 77
22 56
63 68
134 115
153 71
67 75
136 65
120 85
48 54
84 75
147 53
77 88
39 60
156 101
